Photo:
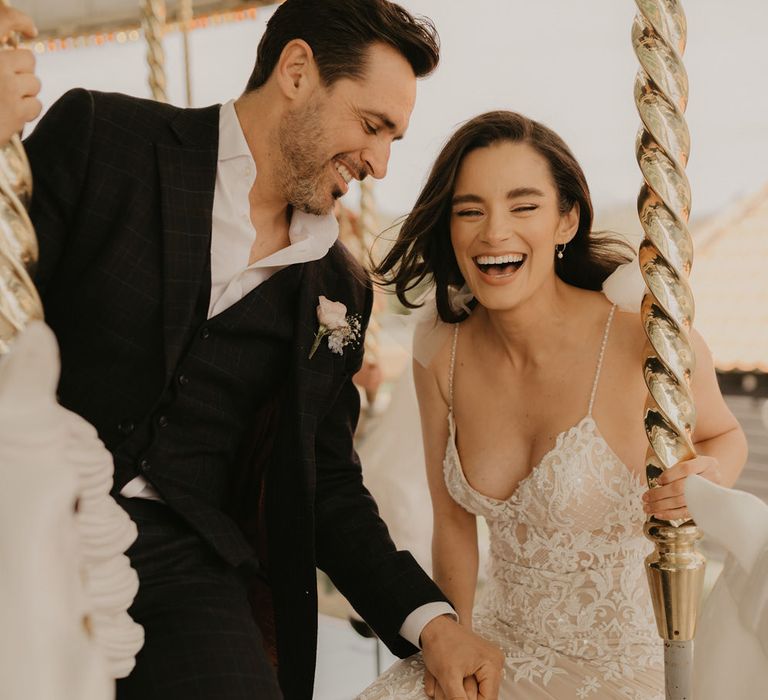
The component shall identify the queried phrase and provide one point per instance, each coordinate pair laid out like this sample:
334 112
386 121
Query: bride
531 402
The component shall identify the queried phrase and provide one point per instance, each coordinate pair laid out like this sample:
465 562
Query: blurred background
567 64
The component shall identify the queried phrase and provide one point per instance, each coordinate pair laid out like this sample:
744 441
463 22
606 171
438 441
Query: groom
182 256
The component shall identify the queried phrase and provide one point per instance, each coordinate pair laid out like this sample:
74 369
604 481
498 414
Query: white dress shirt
232 236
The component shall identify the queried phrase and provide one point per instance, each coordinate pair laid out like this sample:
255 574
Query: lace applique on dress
566 596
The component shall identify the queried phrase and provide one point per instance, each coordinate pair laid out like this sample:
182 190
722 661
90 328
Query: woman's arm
454 537
718 434
720 444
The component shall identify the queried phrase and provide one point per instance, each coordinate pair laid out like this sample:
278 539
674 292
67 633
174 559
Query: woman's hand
667 500
461 664
433 690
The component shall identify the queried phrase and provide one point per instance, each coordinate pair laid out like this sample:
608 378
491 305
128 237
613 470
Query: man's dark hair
340 33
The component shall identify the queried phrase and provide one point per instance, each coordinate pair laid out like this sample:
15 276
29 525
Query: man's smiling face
345 131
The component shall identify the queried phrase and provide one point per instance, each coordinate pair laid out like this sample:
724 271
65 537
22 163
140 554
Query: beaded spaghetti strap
600 359
452 366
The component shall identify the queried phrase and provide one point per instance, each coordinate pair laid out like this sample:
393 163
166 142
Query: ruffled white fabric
430 332
61 572
625 287
105 532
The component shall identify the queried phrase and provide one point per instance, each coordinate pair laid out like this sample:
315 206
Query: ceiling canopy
62 18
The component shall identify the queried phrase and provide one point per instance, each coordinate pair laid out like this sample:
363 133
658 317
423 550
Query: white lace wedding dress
566 597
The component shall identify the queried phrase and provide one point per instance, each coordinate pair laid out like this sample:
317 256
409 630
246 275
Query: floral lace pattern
566 597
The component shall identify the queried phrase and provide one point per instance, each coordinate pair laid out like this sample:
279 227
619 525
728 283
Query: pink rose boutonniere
340 328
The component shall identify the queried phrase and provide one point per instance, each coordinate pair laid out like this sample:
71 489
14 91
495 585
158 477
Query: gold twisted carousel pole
153 24
19 301
369 229
676 569
369 220
185 20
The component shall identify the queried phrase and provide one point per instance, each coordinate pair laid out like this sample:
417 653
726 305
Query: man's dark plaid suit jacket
122 208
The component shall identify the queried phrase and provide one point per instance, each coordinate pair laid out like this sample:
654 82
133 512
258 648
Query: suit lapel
313 378
312 375
187 181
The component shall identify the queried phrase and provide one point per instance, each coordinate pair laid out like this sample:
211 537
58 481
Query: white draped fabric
61 573
731 648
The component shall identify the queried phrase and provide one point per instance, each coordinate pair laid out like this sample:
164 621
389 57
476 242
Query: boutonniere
340 328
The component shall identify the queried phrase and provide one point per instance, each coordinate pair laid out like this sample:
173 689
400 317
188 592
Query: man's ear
569 224
296 71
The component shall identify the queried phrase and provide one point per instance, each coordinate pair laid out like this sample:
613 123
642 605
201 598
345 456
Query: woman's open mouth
500 265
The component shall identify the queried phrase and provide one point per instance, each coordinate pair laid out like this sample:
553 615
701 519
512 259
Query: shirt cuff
139 487
416 622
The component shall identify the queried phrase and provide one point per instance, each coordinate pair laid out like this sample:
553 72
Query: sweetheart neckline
558 439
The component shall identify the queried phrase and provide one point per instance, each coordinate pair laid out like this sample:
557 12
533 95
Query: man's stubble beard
303 178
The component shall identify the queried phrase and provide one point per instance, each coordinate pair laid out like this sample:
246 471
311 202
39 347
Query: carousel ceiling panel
68 17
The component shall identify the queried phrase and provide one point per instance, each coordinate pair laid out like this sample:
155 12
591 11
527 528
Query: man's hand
460 665
19 85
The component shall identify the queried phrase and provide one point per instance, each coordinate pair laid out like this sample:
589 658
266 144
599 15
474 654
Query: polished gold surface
19 301
675 570
17 237
369 220
676 576
15 170
153 24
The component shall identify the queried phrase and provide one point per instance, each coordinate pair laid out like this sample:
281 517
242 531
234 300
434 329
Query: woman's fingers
667 500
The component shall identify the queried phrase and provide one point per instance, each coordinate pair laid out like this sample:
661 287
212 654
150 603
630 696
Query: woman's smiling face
505 223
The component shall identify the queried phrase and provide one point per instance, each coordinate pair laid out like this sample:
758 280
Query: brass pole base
676 578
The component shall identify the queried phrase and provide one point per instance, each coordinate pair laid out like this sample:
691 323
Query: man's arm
385 586
59 151
19 85
352 542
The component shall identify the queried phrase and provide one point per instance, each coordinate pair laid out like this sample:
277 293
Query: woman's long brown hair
423 251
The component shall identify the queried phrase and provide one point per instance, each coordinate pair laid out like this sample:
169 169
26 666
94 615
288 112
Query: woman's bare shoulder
628 331
432 346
